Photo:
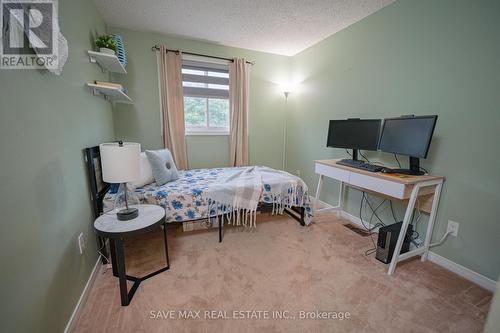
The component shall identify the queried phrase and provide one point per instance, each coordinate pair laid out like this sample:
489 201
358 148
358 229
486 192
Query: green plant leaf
106 41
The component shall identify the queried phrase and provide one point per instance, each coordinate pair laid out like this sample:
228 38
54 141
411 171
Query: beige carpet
282 266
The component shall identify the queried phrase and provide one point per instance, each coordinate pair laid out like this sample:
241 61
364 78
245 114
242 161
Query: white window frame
208 66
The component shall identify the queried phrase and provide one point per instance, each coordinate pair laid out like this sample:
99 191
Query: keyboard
361 165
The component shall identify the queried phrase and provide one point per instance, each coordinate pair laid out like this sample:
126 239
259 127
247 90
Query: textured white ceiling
278 26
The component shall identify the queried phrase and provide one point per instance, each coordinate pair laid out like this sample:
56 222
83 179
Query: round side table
108 226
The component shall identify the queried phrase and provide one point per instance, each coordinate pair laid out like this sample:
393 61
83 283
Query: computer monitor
354 134
408 135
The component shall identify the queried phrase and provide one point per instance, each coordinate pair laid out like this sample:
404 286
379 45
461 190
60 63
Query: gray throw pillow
162 165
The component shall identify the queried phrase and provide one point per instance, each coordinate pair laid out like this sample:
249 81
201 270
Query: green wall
208 151
140 121
46 121
415 57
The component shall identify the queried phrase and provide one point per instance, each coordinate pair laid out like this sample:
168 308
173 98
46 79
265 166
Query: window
206 97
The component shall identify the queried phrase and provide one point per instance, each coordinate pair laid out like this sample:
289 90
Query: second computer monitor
354 134
409 136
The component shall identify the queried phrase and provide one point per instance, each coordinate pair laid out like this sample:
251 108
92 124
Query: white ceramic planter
106 50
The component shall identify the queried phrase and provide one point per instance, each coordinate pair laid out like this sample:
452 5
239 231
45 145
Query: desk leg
341 198
432 219
404 228
318 192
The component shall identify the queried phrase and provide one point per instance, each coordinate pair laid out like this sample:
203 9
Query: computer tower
387 238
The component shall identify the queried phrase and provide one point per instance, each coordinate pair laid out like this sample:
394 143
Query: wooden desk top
395 177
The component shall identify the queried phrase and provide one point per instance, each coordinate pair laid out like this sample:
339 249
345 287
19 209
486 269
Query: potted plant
106 44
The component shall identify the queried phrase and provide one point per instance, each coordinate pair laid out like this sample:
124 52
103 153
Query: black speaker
387 238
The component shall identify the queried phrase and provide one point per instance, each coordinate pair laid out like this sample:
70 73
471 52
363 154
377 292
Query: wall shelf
112 94
107 62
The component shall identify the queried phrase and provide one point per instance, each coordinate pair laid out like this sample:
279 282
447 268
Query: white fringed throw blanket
236 196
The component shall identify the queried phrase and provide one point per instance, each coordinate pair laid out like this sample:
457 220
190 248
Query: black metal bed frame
98 189
297 213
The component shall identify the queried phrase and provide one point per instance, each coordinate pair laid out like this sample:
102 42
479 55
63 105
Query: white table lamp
120 163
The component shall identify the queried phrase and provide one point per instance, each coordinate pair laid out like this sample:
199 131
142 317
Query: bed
189 200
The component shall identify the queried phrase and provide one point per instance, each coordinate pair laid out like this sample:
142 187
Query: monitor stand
354 154
414 169
353 160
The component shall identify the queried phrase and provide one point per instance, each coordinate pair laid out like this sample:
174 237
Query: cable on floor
373 227
441 240
374 210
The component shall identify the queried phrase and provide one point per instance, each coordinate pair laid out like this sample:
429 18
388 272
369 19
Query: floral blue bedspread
186 198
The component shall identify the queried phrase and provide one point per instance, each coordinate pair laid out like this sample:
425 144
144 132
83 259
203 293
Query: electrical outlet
81 243
452 228
298 173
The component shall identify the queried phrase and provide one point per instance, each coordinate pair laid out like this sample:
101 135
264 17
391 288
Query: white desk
400 187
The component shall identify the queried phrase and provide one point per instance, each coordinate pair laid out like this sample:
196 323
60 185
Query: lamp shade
120 162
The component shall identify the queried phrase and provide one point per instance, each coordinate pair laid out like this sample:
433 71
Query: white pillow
146 172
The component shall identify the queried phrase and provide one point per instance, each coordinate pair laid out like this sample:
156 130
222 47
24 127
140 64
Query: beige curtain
238 108
172 105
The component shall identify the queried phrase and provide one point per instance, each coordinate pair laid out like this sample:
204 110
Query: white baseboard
464 272
83 298
326 204
313 200
452 266
356 220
